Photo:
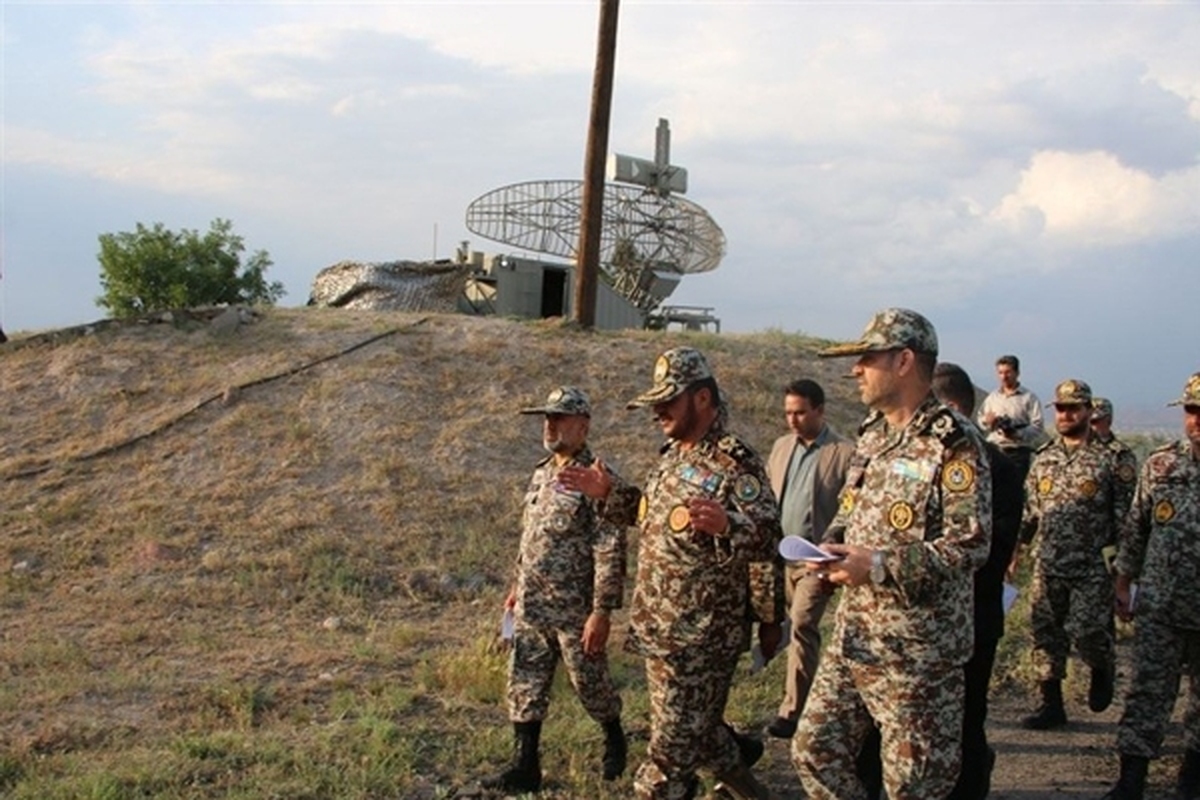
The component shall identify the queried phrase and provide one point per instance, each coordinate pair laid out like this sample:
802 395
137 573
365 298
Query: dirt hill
268 563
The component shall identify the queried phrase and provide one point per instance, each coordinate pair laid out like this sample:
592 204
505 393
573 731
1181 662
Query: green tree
154 269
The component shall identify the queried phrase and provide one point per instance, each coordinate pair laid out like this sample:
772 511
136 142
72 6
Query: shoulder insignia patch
641 509
1164 512
1126 473
900 515
846 502
747 488
959 476
678 519
1045 485
1088 488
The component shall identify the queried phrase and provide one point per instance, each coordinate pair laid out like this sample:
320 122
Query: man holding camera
1012 415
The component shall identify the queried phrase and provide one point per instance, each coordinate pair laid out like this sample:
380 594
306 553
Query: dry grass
292 590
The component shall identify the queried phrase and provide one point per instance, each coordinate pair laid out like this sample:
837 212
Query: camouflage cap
1072 393
674 371
1102 408
1191 392
890 329
564 400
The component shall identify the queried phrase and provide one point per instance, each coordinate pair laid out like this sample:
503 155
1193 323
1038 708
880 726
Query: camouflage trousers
1066 608
1161 654
919 714
808 597
531 665
688 691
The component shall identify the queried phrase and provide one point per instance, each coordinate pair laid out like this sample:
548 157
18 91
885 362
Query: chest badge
959 476
747 488
1045 485
900 515
1164 512
1088 488
1125 473
678 519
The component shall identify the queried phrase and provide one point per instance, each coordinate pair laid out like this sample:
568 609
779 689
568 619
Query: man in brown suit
807 468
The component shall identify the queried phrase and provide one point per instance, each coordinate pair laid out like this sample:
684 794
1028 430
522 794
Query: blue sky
1025 174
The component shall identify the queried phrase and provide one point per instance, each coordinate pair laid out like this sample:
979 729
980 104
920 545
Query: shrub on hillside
154 269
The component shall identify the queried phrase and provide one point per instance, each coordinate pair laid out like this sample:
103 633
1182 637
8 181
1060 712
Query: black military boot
1132 781
750 750
1188 785
1050 714
1100 689
524 774
616 748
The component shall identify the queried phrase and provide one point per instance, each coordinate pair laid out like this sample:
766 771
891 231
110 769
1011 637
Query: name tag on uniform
912 470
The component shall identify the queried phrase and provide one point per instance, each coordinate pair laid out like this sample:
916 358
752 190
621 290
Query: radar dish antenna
645 229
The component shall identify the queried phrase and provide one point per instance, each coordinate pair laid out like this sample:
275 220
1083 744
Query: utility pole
587 255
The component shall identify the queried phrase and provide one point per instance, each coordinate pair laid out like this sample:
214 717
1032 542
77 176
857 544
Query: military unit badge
641 509
678 519
846 502
747 488
1164 512
900 515
1126 473
959 476
1088 488
1045 485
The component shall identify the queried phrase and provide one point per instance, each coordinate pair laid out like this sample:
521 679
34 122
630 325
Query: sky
1026 174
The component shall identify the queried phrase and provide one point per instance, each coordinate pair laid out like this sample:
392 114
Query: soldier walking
915 516
1160 550
705 514
570 578
1072 496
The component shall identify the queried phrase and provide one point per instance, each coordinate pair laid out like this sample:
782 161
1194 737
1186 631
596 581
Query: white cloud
1093 199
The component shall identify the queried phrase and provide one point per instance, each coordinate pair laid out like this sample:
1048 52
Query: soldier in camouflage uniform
1160 549
705 514
915 516
570 578
1123 456
1072 498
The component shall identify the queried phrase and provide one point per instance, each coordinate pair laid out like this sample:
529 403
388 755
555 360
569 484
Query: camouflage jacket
571 561
923 495
1126 466
1071 508
691 588
1160 538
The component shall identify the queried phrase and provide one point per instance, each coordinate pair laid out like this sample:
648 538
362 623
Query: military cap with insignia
890 329
1102 408
1191 393
1072 393
563 400
674 371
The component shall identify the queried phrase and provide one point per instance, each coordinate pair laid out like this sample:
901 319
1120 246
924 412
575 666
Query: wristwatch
878 572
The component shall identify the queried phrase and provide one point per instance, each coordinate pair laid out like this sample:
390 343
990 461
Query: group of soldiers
919 521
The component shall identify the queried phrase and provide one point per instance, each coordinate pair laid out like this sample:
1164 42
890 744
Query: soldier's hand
708 516
595 634
593 481
1124 595
853 568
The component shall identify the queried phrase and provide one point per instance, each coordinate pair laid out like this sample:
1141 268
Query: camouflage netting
390 286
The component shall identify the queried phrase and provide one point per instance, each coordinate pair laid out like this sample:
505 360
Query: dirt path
1077 761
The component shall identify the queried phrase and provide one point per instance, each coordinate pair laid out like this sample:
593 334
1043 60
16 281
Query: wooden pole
587 255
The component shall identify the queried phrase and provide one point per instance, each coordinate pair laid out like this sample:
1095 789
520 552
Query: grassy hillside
248 566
